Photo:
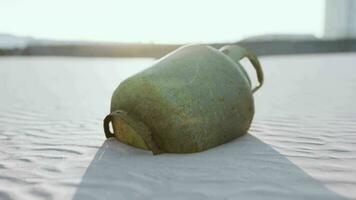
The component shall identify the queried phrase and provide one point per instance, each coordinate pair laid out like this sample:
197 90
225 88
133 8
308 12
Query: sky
160 21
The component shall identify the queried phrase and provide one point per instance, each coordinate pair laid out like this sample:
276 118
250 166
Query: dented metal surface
193 99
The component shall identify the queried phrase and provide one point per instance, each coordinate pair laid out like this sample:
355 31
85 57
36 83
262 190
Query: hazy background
133 28
159 21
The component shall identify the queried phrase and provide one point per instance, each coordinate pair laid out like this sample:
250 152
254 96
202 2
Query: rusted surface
191 100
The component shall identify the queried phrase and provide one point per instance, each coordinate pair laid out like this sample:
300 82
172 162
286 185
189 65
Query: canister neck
236 53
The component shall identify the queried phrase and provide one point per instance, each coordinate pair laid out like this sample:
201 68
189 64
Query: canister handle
106 124
137 125
236 53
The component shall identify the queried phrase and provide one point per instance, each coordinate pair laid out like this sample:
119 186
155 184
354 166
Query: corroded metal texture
191 100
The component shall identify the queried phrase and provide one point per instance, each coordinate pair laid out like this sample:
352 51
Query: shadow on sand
245 168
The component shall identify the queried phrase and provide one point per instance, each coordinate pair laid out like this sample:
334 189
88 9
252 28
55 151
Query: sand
302 143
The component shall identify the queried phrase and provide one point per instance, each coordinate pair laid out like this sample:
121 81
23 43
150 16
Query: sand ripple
302 144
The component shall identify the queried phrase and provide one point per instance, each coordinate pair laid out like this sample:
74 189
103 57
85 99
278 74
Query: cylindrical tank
193 99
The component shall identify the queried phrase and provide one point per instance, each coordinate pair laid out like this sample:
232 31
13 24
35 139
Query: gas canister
193 99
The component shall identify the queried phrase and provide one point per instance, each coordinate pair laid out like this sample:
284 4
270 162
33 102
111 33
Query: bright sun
159 21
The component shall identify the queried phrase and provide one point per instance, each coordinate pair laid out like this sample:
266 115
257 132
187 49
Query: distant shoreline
259 47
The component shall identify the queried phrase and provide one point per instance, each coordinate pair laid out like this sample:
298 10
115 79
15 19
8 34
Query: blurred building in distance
340 19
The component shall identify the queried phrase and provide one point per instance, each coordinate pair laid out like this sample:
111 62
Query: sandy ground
302 144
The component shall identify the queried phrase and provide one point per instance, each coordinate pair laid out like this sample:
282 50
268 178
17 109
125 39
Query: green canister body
193 99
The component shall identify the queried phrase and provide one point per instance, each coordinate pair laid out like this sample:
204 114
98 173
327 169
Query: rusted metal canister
193 99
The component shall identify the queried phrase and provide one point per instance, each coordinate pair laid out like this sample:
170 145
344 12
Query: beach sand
302 143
